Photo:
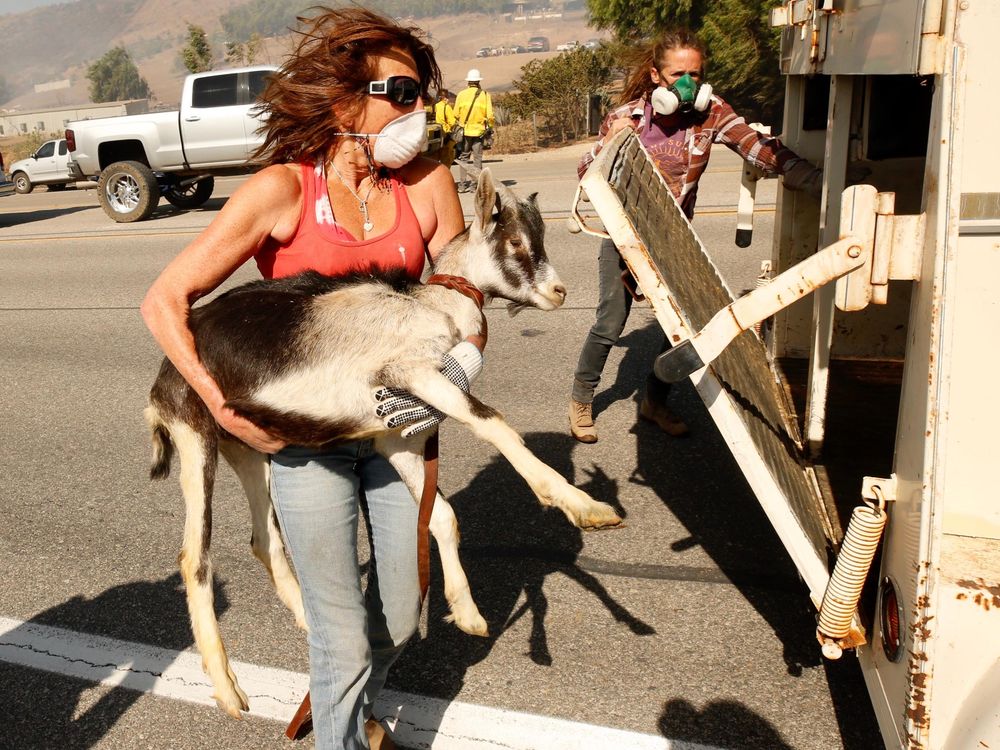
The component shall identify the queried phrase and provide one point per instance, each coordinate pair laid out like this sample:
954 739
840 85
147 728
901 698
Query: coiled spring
844 589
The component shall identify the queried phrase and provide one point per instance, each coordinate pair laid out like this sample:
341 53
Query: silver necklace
362 203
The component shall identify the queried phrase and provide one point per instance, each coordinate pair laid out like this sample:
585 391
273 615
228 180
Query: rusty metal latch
795 12
809 16
875 246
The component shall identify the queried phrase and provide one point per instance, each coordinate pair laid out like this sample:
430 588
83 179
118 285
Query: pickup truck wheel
22 183
191 196
127 191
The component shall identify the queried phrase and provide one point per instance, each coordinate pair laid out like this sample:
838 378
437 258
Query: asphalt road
689 624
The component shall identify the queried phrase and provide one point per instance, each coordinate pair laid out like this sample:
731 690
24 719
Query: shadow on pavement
719 724
50 711
212 205
27 217
505 559
699 481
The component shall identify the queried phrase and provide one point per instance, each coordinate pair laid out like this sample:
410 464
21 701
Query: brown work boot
377 738
581 422
662 417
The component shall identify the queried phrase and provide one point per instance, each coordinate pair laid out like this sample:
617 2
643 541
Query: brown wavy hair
335 58
638 84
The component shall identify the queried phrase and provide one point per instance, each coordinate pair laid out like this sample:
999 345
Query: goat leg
487 424
252 469
198 464
406 457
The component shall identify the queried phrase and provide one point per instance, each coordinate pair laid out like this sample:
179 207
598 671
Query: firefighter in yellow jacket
444 116
474 112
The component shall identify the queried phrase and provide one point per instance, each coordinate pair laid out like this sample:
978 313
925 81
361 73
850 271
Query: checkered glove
399 408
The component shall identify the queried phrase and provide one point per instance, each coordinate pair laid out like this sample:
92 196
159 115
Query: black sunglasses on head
400 89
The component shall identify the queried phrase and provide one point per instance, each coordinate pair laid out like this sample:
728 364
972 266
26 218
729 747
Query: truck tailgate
740 388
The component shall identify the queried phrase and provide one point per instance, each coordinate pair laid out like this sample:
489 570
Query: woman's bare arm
267 205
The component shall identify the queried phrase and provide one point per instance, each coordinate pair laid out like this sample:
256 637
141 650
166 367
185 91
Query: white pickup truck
139 158
49 165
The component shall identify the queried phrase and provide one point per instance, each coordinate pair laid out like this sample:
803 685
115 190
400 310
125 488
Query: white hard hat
473 75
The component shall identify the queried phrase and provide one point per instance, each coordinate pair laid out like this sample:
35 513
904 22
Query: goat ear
486 196
533 198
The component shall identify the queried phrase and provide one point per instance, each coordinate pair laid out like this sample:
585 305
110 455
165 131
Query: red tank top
321 244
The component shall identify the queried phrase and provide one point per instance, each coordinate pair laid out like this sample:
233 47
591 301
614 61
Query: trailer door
740 388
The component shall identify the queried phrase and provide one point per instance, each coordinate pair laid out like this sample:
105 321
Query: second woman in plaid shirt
669 75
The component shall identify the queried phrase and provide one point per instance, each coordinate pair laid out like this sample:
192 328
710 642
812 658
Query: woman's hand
620 124
399 408
245 430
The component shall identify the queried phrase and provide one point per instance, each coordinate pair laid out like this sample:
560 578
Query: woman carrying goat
344 190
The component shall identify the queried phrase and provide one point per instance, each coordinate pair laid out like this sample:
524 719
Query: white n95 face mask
400 141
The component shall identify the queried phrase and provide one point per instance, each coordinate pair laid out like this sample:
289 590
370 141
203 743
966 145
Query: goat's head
510 232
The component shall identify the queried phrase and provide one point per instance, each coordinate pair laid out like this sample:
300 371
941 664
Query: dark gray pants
472 152
613 309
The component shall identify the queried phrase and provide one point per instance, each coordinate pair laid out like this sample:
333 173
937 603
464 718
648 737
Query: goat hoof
601 516
475 625
234 705
232 700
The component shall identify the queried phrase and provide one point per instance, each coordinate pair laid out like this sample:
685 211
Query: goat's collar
459 284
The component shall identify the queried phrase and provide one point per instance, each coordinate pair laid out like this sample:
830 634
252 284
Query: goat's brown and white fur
301 357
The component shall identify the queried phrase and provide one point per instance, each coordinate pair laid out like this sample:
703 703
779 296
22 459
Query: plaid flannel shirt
720 124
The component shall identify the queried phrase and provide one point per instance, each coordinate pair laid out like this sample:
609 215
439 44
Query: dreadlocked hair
335 58
638 84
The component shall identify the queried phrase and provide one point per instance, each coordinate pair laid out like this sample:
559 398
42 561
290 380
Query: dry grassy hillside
457 39
59 42
56 42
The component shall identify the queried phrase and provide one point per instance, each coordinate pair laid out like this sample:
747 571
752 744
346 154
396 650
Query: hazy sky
18 6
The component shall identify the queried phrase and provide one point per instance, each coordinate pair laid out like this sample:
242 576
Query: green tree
743 58
741 46
558 89
197 53
115 77
640 20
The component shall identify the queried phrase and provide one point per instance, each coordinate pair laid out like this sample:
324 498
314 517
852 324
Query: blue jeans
354 637
613 307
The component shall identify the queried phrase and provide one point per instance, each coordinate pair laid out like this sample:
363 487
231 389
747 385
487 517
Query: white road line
417 721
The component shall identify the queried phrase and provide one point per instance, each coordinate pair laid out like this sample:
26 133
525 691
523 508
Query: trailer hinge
874 247
896 252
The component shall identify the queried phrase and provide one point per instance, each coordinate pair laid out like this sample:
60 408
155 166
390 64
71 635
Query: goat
301 357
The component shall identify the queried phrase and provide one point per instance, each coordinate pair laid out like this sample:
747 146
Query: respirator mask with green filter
683 95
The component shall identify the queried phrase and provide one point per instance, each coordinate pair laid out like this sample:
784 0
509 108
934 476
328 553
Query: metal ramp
740 388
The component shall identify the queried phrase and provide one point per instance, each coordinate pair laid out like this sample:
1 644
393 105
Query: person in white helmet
474 112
